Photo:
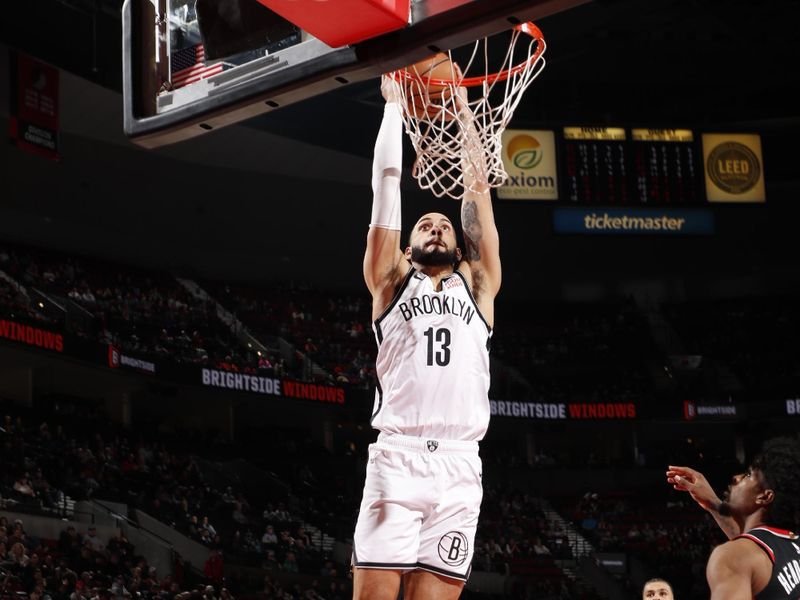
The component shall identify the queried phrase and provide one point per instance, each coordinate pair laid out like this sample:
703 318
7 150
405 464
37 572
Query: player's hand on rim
389 89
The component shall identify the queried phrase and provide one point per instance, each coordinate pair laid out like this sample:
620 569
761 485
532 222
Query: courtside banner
271 386
558 411
30 335
734 167
712 412
793 407
529 158
33 121
633 221
116 360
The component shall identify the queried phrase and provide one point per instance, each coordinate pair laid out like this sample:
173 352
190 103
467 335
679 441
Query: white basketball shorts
420 506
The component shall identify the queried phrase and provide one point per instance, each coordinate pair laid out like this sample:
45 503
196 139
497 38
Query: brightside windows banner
633 221
529 158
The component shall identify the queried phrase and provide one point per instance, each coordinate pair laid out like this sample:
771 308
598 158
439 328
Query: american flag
188 66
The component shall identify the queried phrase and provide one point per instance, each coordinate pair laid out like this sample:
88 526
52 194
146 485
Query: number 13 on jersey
438 346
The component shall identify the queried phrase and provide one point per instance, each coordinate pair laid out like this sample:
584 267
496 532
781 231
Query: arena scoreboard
616 166
664 167
595 165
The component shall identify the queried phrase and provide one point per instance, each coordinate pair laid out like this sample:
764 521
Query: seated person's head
657 589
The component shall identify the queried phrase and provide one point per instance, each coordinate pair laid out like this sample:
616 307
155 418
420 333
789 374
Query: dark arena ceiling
659 63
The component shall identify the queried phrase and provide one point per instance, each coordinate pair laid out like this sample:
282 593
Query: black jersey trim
471 297
380 401
377 565
395 300
445 572
760 543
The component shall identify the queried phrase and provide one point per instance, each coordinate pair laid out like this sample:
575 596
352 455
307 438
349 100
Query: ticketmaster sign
633 221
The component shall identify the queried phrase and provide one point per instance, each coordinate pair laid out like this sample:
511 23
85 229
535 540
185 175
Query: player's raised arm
481 239
694 482
383 260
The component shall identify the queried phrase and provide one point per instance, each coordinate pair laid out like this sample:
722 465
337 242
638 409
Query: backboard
193 66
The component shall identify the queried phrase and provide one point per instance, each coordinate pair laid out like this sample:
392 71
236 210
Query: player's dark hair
779 463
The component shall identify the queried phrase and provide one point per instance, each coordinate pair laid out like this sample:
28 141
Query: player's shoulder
738 554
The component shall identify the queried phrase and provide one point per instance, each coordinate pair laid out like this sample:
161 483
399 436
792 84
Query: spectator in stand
290 563
264 364
19 557
224 594
238 513
328 569
208 527
540 549
70 541
18 534
213 567
269 538
271 561
92 541
23 486
228 497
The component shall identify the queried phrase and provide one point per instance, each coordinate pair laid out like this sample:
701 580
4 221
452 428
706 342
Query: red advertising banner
31 336
33 122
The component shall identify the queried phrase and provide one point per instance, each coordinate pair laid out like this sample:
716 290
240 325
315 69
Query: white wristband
387 166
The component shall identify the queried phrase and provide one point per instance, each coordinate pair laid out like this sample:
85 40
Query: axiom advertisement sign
734 167
529 158
562 410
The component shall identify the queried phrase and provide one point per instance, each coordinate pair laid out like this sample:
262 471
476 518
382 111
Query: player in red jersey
761 560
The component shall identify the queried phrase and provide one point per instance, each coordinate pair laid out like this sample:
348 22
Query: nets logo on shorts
453 548
432 445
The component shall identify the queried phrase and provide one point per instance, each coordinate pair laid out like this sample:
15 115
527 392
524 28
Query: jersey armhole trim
379 390
474 303
761 544
398 293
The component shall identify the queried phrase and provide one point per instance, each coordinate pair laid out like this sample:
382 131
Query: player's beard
434 258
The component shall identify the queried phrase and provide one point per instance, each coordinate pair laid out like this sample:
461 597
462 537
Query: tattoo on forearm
472 230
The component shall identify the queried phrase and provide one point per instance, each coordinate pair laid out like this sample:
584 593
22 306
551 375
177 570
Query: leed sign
734 167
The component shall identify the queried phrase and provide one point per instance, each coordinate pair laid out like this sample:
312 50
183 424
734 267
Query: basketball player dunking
433 309
762 558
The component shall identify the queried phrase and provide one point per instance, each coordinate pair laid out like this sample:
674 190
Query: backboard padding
155 116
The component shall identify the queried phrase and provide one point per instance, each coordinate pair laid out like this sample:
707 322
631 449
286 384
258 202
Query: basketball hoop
442 122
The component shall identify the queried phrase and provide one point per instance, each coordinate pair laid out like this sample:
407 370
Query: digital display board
595 165
664 168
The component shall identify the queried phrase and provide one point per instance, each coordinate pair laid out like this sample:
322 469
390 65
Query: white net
439 114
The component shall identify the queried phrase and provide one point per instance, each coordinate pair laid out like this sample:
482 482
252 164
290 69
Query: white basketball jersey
433 362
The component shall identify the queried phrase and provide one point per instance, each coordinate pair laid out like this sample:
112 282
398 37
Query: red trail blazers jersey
783 549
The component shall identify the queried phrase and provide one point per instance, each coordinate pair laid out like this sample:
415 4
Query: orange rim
527 28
